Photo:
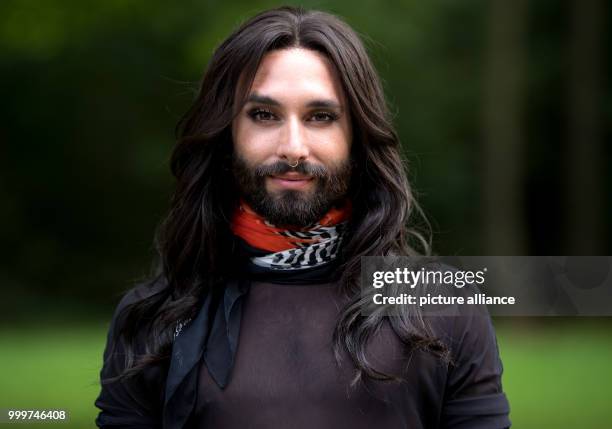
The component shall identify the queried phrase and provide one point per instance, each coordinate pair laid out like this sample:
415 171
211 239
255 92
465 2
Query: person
288 171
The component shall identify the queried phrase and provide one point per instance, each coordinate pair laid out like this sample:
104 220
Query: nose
292 144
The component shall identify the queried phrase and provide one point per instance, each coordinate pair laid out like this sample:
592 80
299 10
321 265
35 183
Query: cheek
251 142
334 145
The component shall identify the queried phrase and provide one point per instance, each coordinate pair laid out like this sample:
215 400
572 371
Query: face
296 113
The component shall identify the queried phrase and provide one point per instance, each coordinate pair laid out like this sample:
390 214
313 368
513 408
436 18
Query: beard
292 207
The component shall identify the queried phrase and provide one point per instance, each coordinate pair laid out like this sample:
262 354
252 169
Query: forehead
297 73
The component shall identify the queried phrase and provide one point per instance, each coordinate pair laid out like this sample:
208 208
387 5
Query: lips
291 180
292 177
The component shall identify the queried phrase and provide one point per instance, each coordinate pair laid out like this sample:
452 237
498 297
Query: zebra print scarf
292 249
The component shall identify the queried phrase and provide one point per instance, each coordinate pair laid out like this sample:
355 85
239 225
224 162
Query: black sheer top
284 374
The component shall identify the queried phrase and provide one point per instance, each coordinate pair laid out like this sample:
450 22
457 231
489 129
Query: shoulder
139 292
465 329
143 290
455 317
125 322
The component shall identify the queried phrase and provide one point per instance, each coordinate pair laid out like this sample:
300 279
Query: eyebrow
318 103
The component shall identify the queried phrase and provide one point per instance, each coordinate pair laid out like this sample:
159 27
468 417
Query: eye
261 115
324 117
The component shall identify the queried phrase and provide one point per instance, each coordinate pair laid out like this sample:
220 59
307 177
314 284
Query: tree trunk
584 168
503 161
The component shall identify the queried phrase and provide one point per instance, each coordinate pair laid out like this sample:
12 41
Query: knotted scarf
291 249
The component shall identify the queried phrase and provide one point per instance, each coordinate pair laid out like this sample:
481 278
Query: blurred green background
503 108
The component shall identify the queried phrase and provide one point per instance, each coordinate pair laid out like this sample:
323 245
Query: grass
556 373
55 367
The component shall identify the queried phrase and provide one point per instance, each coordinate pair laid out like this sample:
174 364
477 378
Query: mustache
280 167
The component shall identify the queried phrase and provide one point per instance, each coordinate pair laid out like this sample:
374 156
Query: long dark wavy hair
194 242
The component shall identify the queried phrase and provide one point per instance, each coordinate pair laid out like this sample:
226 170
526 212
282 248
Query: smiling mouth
291 181
292 177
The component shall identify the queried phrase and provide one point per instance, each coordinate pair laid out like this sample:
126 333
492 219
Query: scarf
291 249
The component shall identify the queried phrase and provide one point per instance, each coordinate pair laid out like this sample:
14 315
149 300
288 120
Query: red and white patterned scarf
292 249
